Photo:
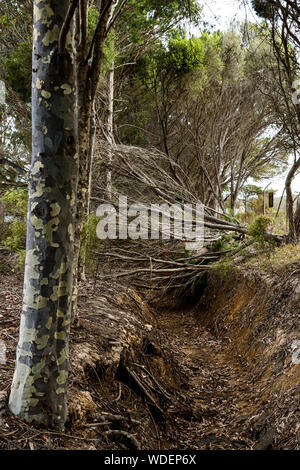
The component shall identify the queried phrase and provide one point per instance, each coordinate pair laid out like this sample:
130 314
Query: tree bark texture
293 235
84 117
110 126
87 79
38 392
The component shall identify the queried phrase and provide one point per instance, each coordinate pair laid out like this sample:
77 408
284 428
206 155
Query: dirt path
217 387
217 403
209 416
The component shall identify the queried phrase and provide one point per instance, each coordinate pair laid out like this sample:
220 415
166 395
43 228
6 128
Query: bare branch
66 26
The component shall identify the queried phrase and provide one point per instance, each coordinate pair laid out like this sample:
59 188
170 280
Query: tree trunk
232 194
297 220
82 196
233 205
2 212
91 156
38 393
211 200
82 257
292 235
87 79
110 127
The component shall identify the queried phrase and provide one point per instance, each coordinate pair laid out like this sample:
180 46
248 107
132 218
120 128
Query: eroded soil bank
239 342
218 372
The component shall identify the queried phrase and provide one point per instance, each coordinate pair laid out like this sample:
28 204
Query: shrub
258 229
16 201
14 237
223 267
226 242
88 241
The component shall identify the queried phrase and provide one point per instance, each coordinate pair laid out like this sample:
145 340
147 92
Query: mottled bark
110 127
38 392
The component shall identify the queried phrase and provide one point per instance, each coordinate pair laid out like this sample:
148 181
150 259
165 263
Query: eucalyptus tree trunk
110 127
38 392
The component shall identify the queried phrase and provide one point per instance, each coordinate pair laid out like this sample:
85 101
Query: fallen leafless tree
142 175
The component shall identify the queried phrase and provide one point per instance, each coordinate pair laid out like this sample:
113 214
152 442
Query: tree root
135 383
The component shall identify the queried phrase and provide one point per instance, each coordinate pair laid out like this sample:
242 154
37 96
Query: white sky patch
221 13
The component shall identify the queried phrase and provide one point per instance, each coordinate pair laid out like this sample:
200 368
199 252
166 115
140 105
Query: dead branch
125 438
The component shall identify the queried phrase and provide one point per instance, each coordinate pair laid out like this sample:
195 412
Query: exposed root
137 384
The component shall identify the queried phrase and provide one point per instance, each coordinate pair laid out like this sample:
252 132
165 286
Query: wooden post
265 198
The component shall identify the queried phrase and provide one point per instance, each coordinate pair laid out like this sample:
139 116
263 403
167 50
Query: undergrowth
14 235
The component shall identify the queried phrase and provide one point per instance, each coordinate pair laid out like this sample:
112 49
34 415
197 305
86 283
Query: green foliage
188 254
275 259
223 267
21 260
4 21
185 55
259 228
226 242
89 241
16 238
251 190
19 70
146 16
176 66
109 52
16 201
229 217
92 22
263 8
